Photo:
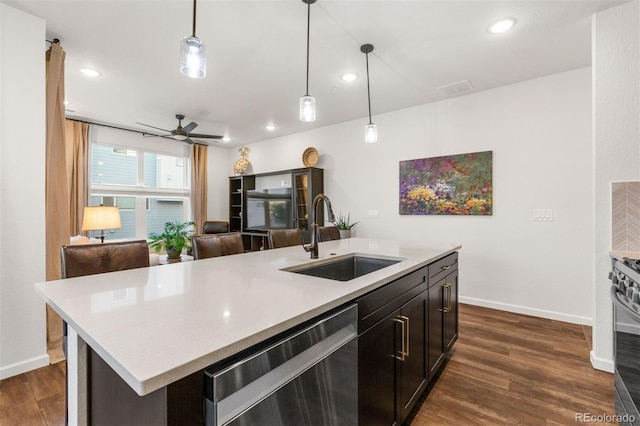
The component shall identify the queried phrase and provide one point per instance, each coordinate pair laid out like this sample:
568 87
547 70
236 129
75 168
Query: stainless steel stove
625 294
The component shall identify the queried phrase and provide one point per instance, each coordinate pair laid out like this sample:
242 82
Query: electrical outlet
373 213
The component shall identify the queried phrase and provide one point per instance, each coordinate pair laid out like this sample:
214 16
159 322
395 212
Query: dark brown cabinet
435 356
442 329
405 330
411 369
376 374
392 369
450 311
392 365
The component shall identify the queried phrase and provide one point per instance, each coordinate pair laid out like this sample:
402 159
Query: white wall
616 145
540 135
219 171
22 167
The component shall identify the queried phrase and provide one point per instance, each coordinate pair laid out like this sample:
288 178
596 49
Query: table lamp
101 218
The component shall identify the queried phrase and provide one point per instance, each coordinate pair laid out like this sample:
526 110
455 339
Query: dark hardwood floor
34 398
505 368
511 368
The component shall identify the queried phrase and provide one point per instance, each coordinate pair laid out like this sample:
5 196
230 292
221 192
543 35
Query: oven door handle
615 297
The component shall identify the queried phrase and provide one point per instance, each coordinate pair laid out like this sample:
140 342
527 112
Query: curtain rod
131 130
116 127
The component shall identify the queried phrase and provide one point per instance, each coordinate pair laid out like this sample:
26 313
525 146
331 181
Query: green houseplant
175 238
344 225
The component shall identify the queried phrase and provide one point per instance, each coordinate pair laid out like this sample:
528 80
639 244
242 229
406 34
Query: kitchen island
156 326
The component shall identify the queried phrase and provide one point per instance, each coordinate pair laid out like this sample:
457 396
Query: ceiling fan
182 133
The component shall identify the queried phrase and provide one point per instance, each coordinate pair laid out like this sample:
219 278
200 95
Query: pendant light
370 130
193 58
308 103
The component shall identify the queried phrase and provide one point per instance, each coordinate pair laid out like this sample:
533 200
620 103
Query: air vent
459 88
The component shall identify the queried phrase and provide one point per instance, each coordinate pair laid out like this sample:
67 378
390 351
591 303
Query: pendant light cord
368 90
194 19
308 28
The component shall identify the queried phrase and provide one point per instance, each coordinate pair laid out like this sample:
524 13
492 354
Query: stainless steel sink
345 268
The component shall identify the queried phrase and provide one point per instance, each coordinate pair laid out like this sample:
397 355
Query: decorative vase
242 164
345 233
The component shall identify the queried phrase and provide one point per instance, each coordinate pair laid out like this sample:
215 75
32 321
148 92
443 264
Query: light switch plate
543 215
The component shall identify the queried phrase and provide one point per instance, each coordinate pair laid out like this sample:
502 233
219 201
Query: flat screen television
269 209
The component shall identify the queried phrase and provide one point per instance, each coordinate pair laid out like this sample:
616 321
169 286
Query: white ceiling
256 56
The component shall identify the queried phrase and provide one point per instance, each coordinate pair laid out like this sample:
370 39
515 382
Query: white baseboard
601 363
559 316
23 366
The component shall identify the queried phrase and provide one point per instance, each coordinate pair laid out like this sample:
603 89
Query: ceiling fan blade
200 136
189 127
153 127
151 135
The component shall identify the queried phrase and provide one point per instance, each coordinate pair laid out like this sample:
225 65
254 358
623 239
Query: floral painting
450 185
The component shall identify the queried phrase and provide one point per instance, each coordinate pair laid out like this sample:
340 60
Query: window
150 188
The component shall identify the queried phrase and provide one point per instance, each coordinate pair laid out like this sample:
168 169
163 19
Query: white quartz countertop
156 325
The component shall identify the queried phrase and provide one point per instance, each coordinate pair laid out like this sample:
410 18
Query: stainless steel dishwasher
307 378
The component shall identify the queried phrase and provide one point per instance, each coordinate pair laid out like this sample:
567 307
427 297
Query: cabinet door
302 201
376 373
451 311
436 323
411 368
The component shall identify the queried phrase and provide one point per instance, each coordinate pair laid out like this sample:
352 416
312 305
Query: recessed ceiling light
226 139
501 25
66 102
350 76
89 72
270 127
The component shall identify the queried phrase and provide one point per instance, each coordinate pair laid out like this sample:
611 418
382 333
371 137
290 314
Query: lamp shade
101 217
307 108
370 133
193 58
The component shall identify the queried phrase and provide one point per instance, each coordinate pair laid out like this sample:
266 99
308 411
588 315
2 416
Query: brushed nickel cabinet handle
402 350
449 303
402 317
445 301
445 267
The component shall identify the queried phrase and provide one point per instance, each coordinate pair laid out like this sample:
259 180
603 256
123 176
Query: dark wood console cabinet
306 183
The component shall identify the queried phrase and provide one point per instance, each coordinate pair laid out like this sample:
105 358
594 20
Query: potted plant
344 225
175 238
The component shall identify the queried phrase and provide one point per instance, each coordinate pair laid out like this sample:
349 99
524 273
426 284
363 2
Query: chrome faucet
313 247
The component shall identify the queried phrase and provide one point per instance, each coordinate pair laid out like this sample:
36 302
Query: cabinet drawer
440 268
379 303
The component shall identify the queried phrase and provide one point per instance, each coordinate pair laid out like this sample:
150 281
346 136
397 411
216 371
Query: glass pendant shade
307 108
193 58
370 133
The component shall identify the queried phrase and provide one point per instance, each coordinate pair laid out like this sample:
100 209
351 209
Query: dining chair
89 259
215 227
284 237
214 245
328 233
